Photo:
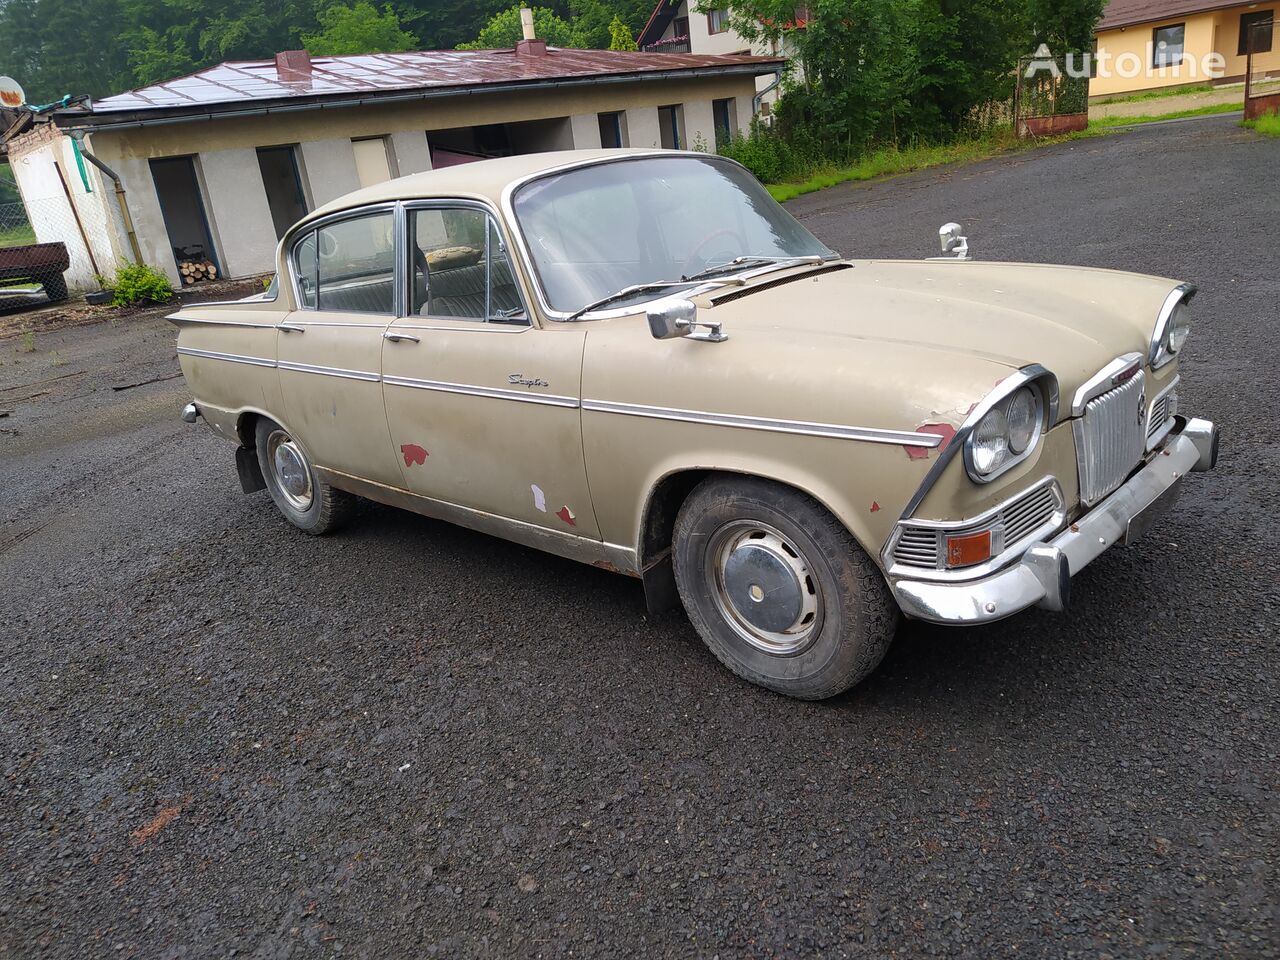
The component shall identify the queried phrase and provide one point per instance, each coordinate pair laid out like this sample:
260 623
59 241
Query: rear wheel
55 287
778 589
307 502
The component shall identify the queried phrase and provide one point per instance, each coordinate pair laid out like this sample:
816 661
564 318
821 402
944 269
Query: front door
330 351
483 407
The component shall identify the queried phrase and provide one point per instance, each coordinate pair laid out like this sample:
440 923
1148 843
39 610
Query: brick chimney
293 65
530 46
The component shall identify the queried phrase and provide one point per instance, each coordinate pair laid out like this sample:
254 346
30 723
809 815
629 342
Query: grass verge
1214 108
1268 124
1156 94
17 236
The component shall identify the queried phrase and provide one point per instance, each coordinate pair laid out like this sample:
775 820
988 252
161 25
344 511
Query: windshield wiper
739 263
627 292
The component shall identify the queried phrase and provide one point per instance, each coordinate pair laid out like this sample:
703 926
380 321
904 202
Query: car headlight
1173 326
1005 434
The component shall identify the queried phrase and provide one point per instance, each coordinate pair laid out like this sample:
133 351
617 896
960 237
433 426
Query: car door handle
397 337
290 328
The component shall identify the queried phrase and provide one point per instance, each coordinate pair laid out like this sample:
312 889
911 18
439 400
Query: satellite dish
11 94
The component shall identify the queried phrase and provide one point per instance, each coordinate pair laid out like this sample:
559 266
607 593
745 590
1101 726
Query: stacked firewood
194 271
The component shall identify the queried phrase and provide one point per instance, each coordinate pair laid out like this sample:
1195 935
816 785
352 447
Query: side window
356 269
460 267
304 261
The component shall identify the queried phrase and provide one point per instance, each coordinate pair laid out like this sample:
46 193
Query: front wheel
778 589
307 502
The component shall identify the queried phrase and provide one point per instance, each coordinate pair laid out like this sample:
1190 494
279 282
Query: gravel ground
222 736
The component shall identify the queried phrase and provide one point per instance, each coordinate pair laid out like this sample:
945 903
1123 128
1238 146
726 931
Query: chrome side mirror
671 319
953 244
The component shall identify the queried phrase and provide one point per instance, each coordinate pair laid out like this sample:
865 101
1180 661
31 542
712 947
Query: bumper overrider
1042 575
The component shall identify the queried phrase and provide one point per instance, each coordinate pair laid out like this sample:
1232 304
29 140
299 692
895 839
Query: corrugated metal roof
1128 13
248 81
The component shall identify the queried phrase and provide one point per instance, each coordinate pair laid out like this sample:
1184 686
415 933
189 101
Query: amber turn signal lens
969 549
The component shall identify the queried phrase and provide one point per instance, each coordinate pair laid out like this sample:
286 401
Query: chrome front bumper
1042 576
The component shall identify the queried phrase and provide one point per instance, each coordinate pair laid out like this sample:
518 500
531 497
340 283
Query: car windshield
597 230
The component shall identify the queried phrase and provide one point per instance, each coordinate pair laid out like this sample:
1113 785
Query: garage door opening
465 144
183 209
283 183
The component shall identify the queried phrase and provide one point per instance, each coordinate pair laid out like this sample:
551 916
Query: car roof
484 179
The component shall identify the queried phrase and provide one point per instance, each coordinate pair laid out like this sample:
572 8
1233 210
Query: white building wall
236 205
699 126
413 153
82 224
642 127
586 131
330 169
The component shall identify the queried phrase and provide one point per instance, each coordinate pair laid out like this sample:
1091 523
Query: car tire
778 588
307 502
55 287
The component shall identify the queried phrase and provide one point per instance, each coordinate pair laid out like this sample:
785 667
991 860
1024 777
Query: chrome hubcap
293 475
763 587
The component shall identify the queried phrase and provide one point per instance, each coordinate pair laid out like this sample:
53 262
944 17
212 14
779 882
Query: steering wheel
696 264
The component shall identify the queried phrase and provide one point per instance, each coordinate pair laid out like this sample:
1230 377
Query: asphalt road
223 736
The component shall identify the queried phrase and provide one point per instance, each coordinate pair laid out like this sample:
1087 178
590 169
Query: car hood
1070 320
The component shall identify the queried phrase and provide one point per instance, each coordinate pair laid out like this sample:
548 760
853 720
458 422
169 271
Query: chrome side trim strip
493 393
830 430
178 320
329 371
229 357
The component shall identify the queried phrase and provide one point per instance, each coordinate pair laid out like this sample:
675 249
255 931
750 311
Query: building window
281 180
1259 25
373 161
717 21
612 135
723 114
1169 43
681 27
670 122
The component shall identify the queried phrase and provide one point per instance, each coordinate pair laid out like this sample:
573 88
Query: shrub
138 283
774 157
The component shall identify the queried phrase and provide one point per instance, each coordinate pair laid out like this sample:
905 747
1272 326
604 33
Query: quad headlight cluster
1173 326
1005 434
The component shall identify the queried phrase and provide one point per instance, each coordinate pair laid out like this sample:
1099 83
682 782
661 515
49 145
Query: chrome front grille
1111 438
1036 512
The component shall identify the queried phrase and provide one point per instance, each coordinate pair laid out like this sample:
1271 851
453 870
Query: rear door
330 350
482 405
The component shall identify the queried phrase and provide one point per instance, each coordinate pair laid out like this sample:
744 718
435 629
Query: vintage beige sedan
637 359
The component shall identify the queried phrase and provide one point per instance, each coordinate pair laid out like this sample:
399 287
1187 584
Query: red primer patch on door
565 514
944 430
875 507
413 454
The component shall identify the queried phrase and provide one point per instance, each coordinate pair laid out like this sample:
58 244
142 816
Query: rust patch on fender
413 454
944 430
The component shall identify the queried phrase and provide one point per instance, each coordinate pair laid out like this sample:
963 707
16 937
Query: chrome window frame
1003 553
493 218
517 231
299 232
1182 294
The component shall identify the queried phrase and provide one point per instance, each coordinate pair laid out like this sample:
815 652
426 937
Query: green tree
504 30
589 20
620 36
358 29
1066 25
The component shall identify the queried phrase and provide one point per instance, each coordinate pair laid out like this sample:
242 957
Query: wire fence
88 228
